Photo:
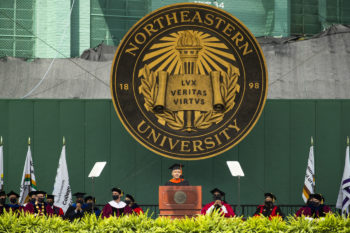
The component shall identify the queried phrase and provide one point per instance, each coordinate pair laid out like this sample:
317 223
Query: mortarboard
12 193
2 193
316 196
50 197
31 193
117 190
270 195
217 190
89 198
40 192
79 195
130 197
176 166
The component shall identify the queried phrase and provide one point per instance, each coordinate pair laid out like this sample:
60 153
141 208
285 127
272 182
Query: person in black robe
76 210
176 173
90 202
269 209
14 205
130 201
57 211
3 205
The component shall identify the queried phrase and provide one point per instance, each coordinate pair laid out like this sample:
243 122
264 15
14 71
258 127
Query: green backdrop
273 156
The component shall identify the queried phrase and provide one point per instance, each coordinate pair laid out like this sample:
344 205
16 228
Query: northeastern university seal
189 81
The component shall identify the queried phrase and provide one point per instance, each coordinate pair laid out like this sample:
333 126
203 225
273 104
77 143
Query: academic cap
12 193
31 193
50 197
270 195
117 190
79 195
40 192
316 196
89 198
217 190
130 197
2 193
176 166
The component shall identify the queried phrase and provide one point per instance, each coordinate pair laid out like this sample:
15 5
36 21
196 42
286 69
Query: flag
343 201
309 183
62 190
28 182
1 165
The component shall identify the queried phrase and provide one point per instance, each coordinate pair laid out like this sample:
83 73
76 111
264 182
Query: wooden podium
180 201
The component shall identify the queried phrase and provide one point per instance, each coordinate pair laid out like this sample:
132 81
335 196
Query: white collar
119 205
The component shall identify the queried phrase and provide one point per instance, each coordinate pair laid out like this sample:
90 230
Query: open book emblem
190 95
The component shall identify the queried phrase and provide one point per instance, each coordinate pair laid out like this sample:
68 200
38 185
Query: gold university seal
189 81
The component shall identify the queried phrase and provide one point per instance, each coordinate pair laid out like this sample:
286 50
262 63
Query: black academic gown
182 183
71 214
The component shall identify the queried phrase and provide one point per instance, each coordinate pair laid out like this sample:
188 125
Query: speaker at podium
180 201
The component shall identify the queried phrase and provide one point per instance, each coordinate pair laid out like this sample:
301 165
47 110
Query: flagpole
1 166
313 150
344 213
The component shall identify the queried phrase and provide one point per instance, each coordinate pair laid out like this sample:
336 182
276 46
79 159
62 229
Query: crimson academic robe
115 209
38 210
266 211
137 209
225 209
57 211
181 182
307 211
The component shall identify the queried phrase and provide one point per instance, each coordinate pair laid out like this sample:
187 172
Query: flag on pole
309 183
343 201
1 165
28 182
62 190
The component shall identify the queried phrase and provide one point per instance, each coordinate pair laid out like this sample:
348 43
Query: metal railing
244 210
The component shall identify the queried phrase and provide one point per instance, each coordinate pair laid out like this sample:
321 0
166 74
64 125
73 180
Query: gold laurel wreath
149 89
229 87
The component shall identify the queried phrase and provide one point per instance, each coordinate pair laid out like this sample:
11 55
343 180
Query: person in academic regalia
3 205
130 201
40 207
76 210
269 209
91 203
314 207
176 173
116 207
32 197
218 204
14 205
57 211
